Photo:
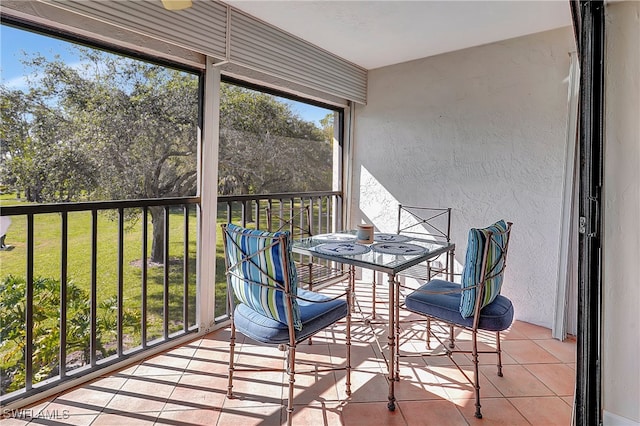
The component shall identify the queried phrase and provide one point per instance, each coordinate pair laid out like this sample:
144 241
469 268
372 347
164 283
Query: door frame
589 27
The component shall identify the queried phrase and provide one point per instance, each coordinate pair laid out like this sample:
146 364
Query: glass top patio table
389 253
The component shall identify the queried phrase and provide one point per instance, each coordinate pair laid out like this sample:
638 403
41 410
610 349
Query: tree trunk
157 244
248 211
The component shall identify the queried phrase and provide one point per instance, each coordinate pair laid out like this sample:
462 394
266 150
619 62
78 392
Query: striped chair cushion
267 267
472 272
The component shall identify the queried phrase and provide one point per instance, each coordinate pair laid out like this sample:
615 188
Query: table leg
391 405
373 296
397 321
352 286
450 258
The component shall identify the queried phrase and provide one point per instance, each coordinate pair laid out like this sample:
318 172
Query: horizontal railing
79 321
24 209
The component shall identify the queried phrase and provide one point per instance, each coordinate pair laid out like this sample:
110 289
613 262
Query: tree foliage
39 156
114 128
111 128
265 147
131 127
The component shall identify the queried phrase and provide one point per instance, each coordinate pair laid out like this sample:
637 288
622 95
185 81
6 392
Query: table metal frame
391 265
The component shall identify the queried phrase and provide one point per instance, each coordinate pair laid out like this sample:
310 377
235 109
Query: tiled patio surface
187 385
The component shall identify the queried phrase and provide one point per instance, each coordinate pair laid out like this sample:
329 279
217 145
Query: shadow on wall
379 207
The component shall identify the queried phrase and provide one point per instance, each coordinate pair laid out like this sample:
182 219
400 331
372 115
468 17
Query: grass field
47 260
47 256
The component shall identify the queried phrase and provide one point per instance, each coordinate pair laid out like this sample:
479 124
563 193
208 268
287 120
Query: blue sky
14 41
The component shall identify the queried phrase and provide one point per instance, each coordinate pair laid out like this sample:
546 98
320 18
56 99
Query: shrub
46 327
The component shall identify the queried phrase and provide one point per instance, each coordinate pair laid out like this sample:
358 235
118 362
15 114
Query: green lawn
47 264
47 256
9 199
47 260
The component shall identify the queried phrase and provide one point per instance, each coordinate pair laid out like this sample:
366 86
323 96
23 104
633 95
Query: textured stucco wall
481 130
621 236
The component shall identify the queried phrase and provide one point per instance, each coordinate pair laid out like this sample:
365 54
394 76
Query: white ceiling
374 34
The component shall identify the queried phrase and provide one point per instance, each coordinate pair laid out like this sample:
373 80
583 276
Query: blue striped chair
268 306
476 303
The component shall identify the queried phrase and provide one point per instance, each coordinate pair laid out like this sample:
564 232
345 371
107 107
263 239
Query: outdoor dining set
270 304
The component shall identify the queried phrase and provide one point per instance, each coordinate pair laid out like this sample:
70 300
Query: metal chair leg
452 339
476 378
348 344
373 296
499 350
232 346
310 271
291 359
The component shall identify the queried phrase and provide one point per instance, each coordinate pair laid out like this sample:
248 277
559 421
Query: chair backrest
484 267
261 273
424 222
299 222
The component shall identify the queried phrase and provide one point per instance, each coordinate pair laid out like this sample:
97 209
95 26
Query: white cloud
22 82
17 83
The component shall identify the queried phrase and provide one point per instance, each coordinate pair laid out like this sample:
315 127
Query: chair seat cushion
314 316
496 316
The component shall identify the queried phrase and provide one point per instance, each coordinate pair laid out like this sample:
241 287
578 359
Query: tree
265 147
112 128
117 128
41 154
15 146
147 138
